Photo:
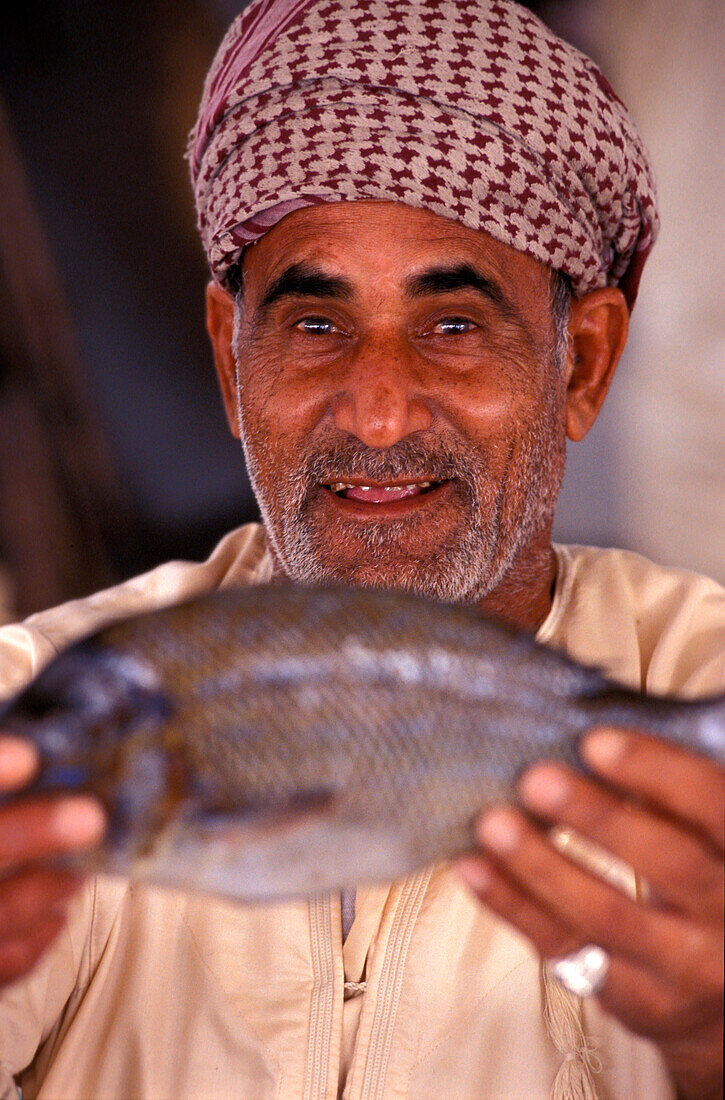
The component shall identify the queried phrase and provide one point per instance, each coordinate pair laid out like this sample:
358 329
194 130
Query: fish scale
279 740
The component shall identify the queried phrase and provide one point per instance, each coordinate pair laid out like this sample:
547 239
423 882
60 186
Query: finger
685 785
682 869
19 955
685 1023
599 913
18 762
26 898
38 828
661 1007
643 1000
550 937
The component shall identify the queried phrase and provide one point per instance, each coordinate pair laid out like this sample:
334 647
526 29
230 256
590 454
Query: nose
380 400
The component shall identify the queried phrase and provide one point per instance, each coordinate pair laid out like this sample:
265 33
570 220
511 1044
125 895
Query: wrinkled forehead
387 246
469 109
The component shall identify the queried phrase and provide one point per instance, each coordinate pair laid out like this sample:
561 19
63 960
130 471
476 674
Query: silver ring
583 972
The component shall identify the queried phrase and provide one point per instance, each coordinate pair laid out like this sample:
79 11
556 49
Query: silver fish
274 741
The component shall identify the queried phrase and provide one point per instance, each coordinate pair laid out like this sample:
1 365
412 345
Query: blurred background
114 450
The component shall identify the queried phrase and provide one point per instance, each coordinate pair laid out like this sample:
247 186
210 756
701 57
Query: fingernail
78 820
544 788
18 761
500 831
604 748
476 875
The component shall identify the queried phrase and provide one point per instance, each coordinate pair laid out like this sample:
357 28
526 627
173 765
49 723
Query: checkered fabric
472 109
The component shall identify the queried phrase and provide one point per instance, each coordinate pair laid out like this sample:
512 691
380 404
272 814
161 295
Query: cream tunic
155 993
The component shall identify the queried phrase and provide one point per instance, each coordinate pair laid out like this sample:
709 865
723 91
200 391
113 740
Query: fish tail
695 724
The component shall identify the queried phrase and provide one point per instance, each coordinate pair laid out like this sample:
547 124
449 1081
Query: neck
524 595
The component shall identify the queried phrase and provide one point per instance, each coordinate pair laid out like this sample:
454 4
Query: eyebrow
444 279
303 280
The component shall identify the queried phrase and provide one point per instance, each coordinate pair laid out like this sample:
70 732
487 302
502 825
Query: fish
278 741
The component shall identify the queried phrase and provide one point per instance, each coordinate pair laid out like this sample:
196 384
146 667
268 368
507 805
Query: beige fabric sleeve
31 1009
652 628
240 558
35 1008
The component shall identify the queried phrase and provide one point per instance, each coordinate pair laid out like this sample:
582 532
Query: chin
457 559
458 573
403 576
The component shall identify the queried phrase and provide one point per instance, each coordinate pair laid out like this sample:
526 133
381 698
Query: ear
220 326
598 329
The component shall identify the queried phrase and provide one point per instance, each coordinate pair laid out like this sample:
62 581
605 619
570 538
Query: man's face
401 406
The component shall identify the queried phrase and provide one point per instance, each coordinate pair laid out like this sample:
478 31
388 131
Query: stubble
489 519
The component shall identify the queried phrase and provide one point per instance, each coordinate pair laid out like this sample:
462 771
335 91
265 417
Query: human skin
380 373
33 896
396 369
386 377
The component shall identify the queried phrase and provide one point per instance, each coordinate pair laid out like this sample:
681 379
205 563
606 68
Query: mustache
407 460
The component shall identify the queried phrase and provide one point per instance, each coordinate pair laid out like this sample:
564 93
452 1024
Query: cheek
507 417
487 410
278 414
284 382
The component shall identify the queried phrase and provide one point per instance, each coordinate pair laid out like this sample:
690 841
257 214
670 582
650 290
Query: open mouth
382 493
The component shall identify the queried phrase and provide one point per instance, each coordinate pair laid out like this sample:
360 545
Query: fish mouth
380 495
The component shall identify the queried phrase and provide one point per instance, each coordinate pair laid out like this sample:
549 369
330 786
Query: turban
472 109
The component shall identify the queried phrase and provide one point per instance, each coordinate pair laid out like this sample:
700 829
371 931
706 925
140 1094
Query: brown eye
454 326
316 326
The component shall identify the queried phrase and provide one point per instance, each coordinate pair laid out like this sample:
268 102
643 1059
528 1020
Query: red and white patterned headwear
472 109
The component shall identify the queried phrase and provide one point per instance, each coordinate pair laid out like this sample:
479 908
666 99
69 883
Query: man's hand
33 897
661 810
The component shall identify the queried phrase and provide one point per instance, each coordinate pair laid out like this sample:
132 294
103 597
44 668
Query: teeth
339 486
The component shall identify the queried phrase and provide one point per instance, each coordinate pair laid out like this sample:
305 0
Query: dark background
101 98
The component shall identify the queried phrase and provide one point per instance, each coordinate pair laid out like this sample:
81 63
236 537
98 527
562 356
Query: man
395 199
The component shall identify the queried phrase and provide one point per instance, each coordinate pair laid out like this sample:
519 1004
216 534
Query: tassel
563 1009
564 1024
